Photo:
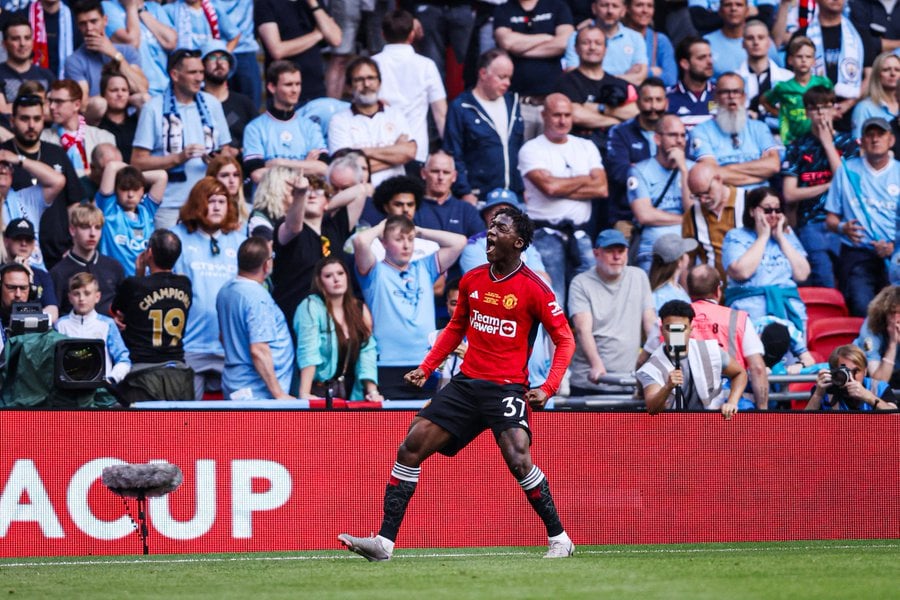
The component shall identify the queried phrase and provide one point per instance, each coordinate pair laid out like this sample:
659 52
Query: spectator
85 64
21 247
783 342
611 308
627 56
258 354
485 131
271 201
334 338
628 144
210 236
692 98
599 99
198 21
27 123
562 175
440 209
116 119
86 227
219 65
862 205
295 31
245 78
102 155
69 128
535 34
727 42
880 334
18 40
228 171
760 72
280 137
15 286
85 322
402 196
713 213
152 312
398 290
808 167
147 27
452 365
786 98
128 199
178 131
765 261
671 258
314 227
660 52
381 132
745 150
692 378
658 190
347 169
410 81
51 51
446 26
880 99
858 392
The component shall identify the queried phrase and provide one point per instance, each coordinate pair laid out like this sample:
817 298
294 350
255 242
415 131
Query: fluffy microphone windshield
153 479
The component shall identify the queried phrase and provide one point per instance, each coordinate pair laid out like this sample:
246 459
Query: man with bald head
716 209
563 174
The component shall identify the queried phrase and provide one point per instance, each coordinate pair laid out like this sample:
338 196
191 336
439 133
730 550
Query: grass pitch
823 569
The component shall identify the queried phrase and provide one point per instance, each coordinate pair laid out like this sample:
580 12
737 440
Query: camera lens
82 363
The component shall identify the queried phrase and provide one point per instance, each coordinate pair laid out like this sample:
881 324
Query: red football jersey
500 318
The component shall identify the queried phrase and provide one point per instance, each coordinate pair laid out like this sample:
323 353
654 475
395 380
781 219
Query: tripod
679 392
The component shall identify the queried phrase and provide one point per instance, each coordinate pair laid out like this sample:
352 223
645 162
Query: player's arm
450 338
554 321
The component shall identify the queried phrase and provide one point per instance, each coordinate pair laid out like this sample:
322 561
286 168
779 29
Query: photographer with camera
686 374
845 385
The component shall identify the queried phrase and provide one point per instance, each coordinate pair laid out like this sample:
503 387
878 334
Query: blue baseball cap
499 196
609 238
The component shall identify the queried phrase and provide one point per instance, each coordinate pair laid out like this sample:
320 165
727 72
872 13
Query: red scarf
77 139
211 17
39 26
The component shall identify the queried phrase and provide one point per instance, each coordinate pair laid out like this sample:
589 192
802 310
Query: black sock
397 495
537 490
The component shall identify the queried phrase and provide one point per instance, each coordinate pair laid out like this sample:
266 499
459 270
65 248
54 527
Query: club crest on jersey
510 301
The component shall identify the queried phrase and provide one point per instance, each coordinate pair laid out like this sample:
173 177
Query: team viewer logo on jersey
510 301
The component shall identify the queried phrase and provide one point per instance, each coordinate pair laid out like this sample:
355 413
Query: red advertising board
271 480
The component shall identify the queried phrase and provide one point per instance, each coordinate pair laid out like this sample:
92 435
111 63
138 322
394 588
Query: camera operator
691 368
15 286
846 387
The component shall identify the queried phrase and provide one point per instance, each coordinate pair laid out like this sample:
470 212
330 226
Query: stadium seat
800 386
823 302
827 333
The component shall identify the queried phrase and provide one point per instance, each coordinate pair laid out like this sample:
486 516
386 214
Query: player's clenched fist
416 377
536 398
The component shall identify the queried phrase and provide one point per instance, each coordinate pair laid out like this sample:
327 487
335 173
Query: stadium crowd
297 228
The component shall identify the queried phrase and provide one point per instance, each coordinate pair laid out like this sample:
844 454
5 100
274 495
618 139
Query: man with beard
19 66
692 97
745 149
380 131
280 137
27 124
219 65
628 144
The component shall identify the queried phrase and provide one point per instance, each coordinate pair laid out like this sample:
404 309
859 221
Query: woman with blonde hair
271 199
845 386
880 99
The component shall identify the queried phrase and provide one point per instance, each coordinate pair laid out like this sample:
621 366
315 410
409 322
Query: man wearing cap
611 308
179 131
219 65
280 137
19 239
563 175
670 249
862 208
658 189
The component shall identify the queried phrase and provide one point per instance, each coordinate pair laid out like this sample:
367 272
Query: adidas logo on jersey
474 295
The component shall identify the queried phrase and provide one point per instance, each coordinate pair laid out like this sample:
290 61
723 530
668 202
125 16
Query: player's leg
515 445
423 439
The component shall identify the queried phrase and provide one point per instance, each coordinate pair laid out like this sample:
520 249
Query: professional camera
839 378
678 338
28 317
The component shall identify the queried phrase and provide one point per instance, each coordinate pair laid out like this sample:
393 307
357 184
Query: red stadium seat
804 386
828 333
823 302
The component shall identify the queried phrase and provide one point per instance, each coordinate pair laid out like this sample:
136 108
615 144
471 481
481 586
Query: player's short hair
401 222
82 280
676 308
165 247
279 68
522 222
355 65
130 178
85 215
70 86
816 95
253 254
399 184
396 26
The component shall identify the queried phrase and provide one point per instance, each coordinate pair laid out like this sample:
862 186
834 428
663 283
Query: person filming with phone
686 374
844 385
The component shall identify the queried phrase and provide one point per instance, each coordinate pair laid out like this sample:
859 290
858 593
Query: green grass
823 569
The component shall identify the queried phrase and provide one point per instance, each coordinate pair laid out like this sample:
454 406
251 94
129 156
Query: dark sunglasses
772 211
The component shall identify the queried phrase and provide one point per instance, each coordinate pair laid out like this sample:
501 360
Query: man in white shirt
409 81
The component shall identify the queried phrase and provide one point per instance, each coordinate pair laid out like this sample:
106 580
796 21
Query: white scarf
850 63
